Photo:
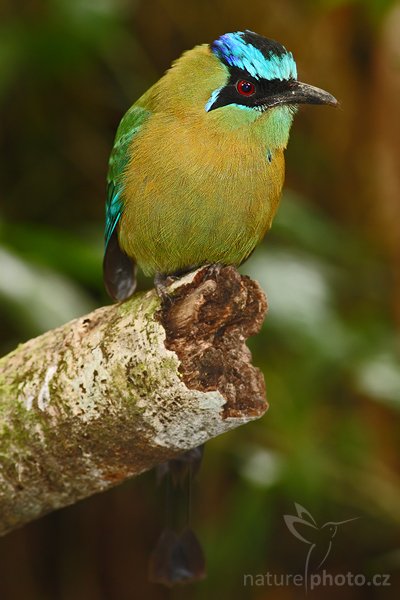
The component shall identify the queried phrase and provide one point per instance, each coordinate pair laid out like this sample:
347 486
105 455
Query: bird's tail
178 557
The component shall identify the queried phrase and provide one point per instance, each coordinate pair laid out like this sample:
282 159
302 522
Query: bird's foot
213 269
163 281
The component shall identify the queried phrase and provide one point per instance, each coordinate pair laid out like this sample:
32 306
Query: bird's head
330 528
243 79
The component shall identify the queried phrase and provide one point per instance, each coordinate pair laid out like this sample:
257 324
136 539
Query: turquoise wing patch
130 125
113 211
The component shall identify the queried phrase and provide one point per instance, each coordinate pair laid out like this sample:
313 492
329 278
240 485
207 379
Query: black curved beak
296 92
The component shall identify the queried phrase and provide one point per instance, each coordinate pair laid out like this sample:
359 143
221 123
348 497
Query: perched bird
197 168
195 178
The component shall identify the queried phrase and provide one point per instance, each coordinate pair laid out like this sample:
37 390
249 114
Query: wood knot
207 322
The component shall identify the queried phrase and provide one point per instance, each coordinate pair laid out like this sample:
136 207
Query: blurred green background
329 348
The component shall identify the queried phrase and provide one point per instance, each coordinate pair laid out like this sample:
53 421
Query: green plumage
197 167
128 127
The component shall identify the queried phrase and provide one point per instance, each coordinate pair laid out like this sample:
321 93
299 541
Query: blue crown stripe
232 49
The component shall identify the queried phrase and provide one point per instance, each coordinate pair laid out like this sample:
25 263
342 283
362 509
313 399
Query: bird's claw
213 269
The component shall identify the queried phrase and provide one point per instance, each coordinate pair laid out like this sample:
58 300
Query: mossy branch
109 395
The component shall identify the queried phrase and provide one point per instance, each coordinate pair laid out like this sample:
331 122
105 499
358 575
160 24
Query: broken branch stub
128 386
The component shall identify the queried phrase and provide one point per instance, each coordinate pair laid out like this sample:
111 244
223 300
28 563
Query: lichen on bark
128 386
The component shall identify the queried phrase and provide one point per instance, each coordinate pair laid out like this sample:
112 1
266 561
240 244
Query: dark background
329 347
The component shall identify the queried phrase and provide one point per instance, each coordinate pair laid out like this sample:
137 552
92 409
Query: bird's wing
118 268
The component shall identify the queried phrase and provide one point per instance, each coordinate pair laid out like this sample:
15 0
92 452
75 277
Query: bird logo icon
319 538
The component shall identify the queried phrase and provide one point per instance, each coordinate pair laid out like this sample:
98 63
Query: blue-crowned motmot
197 168
195 178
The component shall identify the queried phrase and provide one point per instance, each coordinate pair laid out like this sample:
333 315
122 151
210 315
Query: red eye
245 88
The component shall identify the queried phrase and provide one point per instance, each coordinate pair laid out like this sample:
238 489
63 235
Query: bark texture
110 395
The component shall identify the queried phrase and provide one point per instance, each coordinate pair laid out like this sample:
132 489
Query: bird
197 168
305 528
195 178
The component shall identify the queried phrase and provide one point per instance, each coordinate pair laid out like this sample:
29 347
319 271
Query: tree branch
110 395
